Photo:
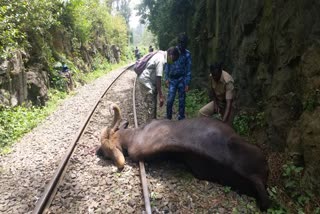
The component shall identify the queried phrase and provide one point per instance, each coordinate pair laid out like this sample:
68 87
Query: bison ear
119 158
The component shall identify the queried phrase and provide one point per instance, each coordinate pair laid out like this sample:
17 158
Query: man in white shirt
150 78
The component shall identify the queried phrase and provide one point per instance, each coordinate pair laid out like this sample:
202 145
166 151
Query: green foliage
21 20
92 20
245 122
58 82
119 33
101 68
276 208
292 197
17 121
143 50
12 15
29 25
241 124
160 13
292 184
153 198
101 64
55 96
128 54
195 99
260 120
277 211
226 189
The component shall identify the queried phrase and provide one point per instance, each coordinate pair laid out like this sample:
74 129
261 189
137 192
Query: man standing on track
150 79
178 77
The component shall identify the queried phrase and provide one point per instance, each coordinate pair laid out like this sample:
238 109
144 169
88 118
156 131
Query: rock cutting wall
272 49
24 77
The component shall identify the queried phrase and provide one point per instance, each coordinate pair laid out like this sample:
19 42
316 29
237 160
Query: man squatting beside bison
221 92
209 147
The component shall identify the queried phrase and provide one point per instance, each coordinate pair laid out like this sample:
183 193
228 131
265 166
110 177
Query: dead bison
211 149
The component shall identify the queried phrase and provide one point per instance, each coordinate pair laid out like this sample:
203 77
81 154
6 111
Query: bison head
109 139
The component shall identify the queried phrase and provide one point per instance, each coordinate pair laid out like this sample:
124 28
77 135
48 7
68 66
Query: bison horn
117 116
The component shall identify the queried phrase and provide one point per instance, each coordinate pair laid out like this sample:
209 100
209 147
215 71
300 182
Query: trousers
208 111
149 102
174 86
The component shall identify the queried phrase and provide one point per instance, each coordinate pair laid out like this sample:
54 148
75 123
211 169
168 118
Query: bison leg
262 194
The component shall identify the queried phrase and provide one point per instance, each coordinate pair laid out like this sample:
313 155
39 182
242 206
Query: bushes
28 25
245 122
290 196
195 99
19 120
20 18
14 122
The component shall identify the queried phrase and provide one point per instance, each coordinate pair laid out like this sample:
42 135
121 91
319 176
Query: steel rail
141 163
44 202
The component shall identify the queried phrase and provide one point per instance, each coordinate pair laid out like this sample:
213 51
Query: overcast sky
134 20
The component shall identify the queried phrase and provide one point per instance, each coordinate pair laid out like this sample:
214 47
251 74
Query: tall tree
166 18
122 7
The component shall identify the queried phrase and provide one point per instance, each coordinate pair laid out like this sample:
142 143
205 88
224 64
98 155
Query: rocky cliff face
272 49
21 84
13 80
24 77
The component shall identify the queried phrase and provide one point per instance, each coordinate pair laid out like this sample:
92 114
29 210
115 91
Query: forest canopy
23 21
158 13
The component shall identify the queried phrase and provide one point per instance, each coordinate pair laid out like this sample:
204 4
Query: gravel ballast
93 184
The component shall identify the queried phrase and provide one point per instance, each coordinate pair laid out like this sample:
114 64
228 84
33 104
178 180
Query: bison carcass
212 150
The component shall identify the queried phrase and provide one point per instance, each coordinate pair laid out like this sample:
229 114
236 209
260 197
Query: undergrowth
19 120
244 123
290 196
195 99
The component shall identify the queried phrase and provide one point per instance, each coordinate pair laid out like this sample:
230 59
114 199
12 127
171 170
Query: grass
19 120
195 99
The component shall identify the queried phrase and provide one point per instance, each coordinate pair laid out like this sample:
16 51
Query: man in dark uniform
178 77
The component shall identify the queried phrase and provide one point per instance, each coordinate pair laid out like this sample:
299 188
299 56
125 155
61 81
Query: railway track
86 183
83 183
